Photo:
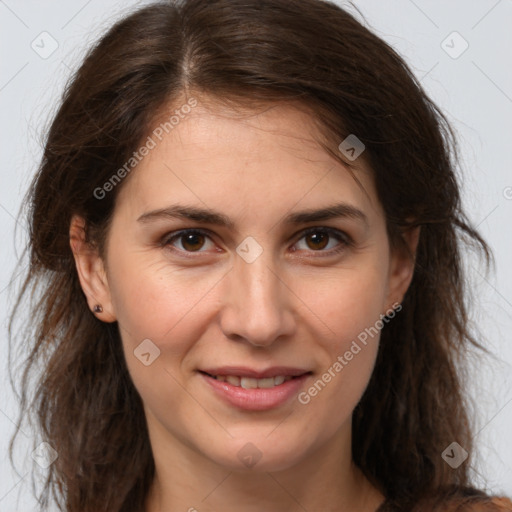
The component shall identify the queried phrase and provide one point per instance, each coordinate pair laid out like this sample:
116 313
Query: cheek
154 301
163 307
345 301
169 307
349 305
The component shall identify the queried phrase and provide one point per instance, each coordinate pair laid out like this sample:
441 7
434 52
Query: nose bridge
257 307
261 284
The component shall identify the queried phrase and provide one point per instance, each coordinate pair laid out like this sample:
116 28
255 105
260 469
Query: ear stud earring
98 308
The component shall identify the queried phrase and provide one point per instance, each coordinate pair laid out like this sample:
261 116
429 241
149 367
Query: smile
254 394
251 383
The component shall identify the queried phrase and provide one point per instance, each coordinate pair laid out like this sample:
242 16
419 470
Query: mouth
252 390
250 382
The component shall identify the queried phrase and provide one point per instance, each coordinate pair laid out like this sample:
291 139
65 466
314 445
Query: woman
246 232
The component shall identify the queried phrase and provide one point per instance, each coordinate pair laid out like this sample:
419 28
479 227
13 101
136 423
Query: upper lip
243 371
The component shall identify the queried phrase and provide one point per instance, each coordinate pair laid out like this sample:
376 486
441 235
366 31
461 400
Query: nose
256 304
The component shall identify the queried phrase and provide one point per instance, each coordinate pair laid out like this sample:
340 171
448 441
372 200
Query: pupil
322 236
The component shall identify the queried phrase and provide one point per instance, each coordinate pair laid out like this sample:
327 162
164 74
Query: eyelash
344 238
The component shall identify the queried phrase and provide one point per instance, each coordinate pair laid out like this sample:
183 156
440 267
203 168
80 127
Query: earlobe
402 265
91 272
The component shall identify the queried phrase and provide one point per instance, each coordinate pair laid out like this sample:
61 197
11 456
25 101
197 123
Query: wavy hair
246 53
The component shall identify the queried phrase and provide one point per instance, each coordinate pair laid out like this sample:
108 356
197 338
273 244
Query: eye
318 238
191 240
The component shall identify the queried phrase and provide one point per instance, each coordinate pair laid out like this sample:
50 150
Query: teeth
250 383
233 380
279 380
265 383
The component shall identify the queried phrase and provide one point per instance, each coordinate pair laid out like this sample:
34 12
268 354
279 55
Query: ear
91 271
401 267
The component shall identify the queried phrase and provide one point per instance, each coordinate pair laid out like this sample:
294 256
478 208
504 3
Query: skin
298 304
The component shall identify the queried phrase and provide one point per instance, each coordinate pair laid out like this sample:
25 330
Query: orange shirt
504 504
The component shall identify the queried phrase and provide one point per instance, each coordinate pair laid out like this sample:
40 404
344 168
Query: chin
260 454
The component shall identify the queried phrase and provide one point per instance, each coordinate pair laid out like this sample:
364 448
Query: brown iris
189 241
318 238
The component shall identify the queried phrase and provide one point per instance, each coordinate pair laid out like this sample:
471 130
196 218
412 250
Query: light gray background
474 89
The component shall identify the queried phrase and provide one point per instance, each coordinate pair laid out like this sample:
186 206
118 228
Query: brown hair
246 53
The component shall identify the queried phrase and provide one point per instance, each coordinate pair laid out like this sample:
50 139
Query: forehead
257 135
225 158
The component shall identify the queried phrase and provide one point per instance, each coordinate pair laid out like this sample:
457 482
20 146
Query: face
264 293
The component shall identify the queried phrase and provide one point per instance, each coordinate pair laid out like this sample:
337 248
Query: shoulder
440 503
490 504
503 504
495 504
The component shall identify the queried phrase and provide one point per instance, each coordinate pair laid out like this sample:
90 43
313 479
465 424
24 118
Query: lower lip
256 399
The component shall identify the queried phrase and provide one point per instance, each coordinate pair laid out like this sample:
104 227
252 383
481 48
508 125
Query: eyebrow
208 216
